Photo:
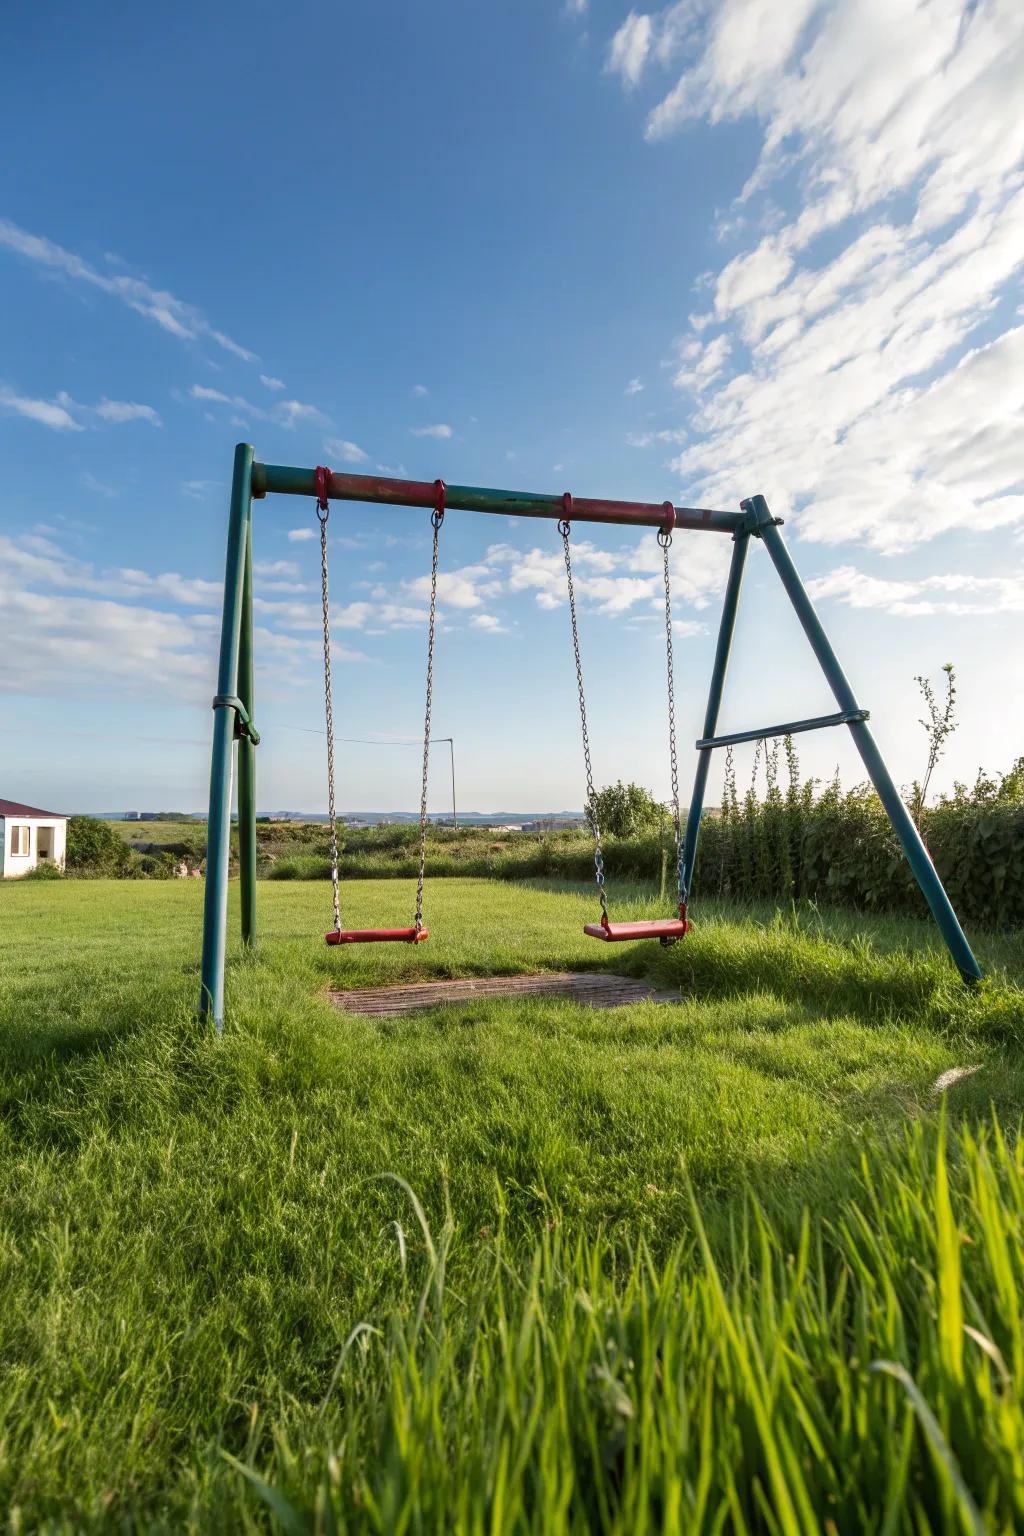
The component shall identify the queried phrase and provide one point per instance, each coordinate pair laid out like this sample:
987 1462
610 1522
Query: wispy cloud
439 429
100 487
954 593
126 410
628 50
172 314
634 387
283 413
420 390
63 414
338 448
269 382
49 413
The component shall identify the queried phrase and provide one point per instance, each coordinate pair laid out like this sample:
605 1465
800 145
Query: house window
19 842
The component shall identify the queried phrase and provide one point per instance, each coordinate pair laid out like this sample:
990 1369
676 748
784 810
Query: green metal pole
925 873
218 837
247 759
700 781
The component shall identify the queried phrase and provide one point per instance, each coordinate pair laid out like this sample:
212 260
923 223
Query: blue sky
697 251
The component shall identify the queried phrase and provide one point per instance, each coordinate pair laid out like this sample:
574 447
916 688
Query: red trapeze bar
377 936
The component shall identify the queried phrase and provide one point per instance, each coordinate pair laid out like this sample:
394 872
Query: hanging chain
665 540
436 519
759 747
329 712
564 529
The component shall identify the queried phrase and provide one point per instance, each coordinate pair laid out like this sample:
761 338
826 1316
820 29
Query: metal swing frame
233 702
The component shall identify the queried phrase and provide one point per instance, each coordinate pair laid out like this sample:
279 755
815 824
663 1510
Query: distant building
29 836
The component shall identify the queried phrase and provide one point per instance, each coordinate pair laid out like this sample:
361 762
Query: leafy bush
839 846
94 848
46 870
625 810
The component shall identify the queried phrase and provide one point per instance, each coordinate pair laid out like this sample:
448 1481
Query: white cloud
488 623
465 588
420 390
170 313
100 487
126 410
63 414
665 435
861 372
49 413
276 568
269 382
348 453
633 387
440 429
300 535
628 50
49 642
956 594
617 583
701 365
283 413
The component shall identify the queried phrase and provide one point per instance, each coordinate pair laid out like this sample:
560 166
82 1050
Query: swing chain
564 529
323 512
436 519
665 541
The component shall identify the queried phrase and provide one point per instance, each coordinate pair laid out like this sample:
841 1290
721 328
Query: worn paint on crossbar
595 990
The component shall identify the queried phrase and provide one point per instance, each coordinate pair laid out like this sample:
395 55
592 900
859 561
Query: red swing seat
377 936
667 929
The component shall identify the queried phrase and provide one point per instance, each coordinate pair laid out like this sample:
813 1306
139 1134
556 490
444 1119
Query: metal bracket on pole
243 725
757 517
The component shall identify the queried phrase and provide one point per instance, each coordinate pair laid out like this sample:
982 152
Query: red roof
15 808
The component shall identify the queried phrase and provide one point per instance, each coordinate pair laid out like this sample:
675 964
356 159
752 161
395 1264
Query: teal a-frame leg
760 524
232 721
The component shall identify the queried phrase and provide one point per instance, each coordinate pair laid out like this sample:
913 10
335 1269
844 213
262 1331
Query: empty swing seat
377 936
666 929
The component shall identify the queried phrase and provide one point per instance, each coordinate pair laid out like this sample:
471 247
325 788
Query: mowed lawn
517 1266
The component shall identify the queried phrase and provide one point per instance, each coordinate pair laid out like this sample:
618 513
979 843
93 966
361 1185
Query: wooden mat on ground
595 989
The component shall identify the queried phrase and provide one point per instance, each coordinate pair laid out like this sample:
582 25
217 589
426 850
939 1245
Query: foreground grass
193 1231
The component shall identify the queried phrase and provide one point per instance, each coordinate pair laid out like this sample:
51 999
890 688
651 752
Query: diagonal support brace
791 728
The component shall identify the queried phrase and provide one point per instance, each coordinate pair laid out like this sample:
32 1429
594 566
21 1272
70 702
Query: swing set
233 703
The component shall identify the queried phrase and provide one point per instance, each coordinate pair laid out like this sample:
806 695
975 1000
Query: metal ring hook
322 479
565 521
437 516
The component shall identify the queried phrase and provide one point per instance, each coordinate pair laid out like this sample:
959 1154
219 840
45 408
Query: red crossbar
377 936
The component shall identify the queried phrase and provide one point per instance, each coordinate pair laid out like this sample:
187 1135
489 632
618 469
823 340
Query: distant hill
466 818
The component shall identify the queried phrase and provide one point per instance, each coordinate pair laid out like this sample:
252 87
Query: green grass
211 1297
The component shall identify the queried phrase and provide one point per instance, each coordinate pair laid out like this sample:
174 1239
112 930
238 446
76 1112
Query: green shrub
94 848
46 870
625 810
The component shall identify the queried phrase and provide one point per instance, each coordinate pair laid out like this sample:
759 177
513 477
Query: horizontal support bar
791 728
282 480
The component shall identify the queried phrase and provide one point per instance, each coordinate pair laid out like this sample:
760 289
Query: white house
29 836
